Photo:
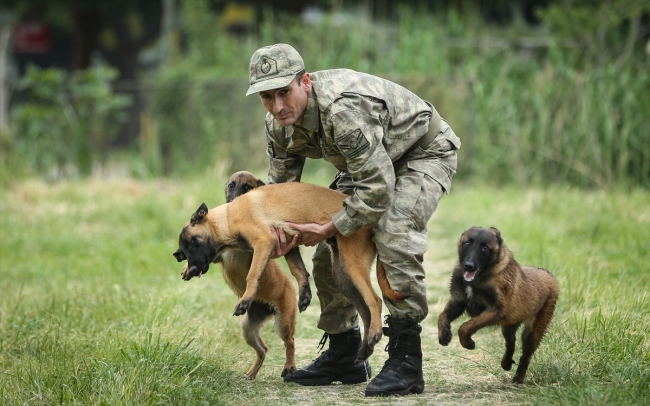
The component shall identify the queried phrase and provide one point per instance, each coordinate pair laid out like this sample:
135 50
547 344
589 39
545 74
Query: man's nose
277 104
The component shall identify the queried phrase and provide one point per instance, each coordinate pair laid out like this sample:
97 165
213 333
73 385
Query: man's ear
179 255
305 82
200 214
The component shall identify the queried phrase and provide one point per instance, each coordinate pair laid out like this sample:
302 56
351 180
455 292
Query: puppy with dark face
494 290
243 182
240 183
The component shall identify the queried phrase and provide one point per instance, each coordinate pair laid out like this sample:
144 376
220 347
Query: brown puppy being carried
276 296
247 222
490 285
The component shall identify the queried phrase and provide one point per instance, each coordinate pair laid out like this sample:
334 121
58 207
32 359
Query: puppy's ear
260 183
460 242
200 214
497 234
179 255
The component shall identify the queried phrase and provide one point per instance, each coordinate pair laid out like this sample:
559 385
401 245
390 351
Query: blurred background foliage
539 92
69 121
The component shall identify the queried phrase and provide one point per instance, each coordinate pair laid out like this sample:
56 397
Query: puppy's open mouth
469 276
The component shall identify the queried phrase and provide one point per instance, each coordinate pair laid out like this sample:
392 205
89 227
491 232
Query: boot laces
322 342
396 352
325 355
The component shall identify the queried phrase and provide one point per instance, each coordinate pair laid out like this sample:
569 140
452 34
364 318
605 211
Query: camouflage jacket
363 125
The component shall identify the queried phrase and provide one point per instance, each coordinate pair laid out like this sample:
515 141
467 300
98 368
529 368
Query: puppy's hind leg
527 349
509 333
351 270
299 271
251 323
532 337
285 327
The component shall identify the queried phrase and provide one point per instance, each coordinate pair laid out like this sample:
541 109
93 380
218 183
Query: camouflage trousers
400 237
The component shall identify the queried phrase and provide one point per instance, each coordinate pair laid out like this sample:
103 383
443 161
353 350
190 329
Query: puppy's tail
384 285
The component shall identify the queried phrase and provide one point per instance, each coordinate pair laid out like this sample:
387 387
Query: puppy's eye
485 249
231 185
466 244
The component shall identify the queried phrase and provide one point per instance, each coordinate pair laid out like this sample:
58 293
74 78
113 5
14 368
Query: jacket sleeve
282 167
358 135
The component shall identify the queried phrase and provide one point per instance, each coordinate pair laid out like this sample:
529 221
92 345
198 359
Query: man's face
287 104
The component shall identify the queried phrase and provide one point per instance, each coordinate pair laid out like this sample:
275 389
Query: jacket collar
310 120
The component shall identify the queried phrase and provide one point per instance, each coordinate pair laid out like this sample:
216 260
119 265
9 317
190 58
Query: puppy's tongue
469 276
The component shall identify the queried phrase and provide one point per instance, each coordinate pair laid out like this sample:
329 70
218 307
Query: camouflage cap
273 67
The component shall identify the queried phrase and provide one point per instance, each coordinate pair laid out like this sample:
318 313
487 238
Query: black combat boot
402 372
336 364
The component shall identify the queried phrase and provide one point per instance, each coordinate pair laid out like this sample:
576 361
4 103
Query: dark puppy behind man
242 182
490 285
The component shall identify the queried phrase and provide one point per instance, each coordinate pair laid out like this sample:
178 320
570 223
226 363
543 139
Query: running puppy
246 223
493 289
243 182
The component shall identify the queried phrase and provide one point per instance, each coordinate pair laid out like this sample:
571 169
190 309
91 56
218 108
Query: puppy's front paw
465 337
507 364
185 274
444 336
305 298
468 343
242 307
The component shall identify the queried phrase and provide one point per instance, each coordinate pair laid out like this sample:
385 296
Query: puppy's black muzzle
469 266
471 269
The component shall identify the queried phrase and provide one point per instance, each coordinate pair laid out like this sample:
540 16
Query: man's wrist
331 229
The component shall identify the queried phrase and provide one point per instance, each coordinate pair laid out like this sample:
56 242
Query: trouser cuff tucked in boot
402 371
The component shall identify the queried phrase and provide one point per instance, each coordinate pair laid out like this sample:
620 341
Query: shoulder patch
353 144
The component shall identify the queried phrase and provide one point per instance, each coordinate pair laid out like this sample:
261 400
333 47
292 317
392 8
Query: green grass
93 310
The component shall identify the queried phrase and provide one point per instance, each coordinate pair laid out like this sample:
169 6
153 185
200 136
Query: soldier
396 157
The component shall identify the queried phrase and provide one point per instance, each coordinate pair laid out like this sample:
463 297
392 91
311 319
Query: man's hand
313 233
281 246
310 234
